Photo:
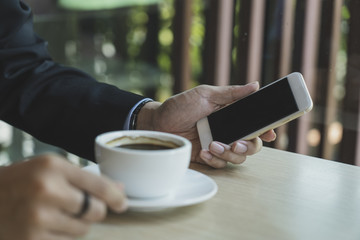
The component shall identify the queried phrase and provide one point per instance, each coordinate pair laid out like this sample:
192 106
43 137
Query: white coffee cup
145 173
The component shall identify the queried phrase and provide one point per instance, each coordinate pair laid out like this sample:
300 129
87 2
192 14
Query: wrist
145 118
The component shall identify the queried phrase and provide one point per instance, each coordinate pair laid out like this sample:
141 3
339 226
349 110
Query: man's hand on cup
180 113
48 198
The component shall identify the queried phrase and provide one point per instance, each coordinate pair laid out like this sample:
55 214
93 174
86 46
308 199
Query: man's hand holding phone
218 154
257 113
180 113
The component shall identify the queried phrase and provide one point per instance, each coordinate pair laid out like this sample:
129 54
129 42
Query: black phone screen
253 112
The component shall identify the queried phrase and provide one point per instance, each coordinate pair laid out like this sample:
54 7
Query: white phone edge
204 131
302 98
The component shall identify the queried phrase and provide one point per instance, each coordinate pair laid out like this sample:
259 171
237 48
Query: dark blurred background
161 47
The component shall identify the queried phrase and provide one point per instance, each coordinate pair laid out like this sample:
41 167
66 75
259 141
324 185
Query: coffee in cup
141 143
149 163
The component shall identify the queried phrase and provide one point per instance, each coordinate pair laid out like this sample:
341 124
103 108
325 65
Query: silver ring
85 206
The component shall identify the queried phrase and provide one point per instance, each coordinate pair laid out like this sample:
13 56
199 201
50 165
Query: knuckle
202 87
240 160
202 90
231 92
41 188
218 164
228 156
99 211
44 163
255 146
231 157
105 192
101 189
48 162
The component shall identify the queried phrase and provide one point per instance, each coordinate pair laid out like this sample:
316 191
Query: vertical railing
285 61
309 43
223 42
350 146
181 46
311 37
331 103
256 36
218 40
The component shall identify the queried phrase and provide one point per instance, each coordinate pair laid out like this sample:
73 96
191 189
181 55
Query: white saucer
194 188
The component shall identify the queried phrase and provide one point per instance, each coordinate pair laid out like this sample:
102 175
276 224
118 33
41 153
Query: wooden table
273 195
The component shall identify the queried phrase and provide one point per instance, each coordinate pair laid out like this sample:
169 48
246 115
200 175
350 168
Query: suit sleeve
58 105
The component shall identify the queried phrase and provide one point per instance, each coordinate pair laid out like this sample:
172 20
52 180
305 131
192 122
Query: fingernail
216 148
240 147
274 138
254 83
205 155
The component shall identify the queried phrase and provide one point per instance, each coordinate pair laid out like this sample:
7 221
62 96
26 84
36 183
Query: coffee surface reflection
141 143
144 146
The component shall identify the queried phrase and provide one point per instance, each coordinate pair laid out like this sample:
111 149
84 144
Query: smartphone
270 107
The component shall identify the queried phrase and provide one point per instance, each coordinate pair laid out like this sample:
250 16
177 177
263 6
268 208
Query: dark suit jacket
56 104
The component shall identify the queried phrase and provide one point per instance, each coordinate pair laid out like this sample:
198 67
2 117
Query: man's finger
101 187
228 94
